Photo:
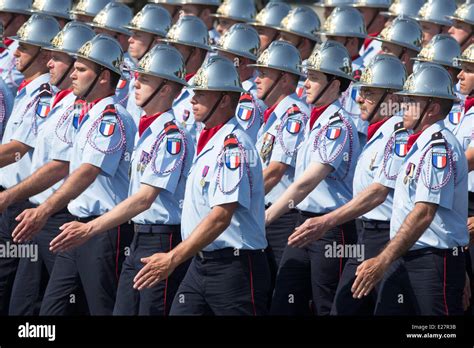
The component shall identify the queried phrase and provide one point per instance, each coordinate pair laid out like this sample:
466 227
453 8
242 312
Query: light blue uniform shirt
24 125
332 140
461 124
183 111
380 162
104 140
250 110
161 158
220 177
8 72
430 174
351 107
44 144
278 140
6 106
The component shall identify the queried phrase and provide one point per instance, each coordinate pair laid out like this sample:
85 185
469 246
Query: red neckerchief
469 102
411 139
368 40
315 113
374 128
60 96
22 85
7 43
268 112
146 121
86 107
189 77
206 135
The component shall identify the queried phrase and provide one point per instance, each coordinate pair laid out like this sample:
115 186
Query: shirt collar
425 136
218 138
285 104
34 85
159 124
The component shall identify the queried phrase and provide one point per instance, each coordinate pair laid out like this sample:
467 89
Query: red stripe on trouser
117 253
343 248
444 286
251 286
166 283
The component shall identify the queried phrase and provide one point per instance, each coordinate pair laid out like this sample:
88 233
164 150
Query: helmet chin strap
66 73
372 20
214 108
417 124
324 90
91 87
31 61
189 56
377 107
150 46
272 87
153 95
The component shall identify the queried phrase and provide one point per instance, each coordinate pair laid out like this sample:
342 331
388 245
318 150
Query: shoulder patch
107 126
44 104
246 108
399 127
232 157
293 110
333 132
293 126
437 139
439 158
173 145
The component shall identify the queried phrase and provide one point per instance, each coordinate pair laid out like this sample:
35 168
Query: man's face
83 75
295 40
24 54
139 43
203 102
466 78
58 66
83 18
429 31
145 86
461 31
313 85
267 35
121 38
368 99
265 80
392 49
223 25
14 22
413 107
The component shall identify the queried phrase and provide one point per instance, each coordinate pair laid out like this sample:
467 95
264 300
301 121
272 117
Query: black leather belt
471 197
227 253
375 224
142 228
309 214
86 219
431 250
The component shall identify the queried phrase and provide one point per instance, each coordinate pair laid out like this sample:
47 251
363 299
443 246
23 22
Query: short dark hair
234 98
114 79
446 106
343 83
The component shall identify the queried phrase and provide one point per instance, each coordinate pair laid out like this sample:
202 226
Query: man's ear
105 77
434 109
335 86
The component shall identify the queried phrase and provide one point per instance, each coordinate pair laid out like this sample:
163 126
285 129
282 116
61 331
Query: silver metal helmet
404 32
217 74
103 50
430 80
465 13
71 38
163 61
301 21
384 71
280 55
437 11
345 21
189 31
16 6
372 3
241 40
237 10
153 19
442 49
38 30
89 7
272 14
467 56
334 3
114 16
407 8
55 8
331 58
201 2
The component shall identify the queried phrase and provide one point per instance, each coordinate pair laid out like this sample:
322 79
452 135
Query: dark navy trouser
225 282
149 240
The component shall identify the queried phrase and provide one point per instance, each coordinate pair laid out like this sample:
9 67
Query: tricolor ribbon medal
173 145
267 146
232 153
439 159
409 172
144 160
205 171
245 110
44 104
